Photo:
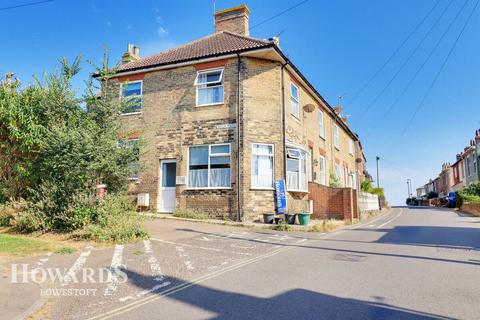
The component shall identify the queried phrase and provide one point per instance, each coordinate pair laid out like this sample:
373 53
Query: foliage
366 186
334 181
432 195
282 226
470 194
55 148
190 214
115 221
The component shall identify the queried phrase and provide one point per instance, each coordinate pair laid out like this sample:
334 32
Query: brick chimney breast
233 20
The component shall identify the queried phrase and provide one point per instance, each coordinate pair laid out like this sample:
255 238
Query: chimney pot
136 52
233 20
131 54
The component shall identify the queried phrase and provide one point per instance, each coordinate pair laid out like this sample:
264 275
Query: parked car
452 199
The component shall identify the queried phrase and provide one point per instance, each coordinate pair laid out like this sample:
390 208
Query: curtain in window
293 174
209 95
219 169
262 171
198 178
198 168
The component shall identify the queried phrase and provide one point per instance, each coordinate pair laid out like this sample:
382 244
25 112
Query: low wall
336 203
472 208
368 201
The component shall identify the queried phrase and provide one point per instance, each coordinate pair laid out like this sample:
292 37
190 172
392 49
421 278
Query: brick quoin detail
322 152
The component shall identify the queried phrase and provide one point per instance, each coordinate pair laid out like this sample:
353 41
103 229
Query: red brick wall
472 208
338 203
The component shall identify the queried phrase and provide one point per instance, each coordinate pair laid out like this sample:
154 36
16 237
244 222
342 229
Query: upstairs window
336 137
209 87
209 166
131 93
321 124
295 101
351 148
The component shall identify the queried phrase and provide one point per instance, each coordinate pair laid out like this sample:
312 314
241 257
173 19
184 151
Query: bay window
209 87
295 101
297 170
209 166
131 93
262 165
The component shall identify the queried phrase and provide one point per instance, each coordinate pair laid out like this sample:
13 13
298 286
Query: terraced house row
219 119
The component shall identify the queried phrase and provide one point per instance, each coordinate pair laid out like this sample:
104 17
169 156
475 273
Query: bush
470 194
190 214
113 220
432 195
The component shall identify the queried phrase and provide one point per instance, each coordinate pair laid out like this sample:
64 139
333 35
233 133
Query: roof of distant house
219 43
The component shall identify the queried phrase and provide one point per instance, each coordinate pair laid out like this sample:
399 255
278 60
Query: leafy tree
432 195
55 148
334 181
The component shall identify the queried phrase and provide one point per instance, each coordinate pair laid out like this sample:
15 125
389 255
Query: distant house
459 180
445 180
421 192
471 164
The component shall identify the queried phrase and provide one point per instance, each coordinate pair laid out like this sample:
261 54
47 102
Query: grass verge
190 214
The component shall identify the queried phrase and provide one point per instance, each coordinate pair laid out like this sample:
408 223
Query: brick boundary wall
336 203
472 208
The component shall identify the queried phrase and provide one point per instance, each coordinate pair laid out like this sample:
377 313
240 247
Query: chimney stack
233 20
132 54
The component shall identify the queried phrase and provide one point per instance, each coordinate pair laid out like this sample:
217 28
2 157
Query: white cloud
162 31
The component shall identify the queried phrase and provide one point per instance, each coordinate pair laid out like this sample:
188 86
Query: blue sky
338 45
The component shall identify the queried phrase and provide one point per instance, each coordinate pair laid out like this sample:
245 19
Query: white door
166 188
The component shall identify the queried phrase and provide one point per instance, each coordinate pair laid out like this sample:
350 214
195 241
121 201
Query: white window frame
197 86
351 147
134 96
208 174
297 100
302 163
252 185
322 173
321 124
338 172
336 136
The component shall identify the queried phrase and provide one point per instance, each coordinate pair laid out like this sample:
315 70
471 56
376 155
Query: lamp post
378 178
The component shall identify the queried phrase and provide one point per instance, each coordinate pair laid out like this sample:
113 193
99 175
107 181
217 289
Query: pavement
411 263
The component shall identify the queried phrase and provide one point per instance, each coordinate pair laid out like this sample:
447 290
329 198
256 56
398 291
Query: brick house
218 119
445 180
458 169
471 164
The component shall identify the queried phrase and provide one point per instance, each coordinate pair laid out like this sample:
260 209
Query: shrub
470 194
432 195
114 220
334 181
190 214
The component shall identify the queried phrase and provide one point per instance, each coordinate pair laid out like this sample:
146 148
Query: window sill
130 114
298 191
296 118
210 104
337 148
262 189
210 188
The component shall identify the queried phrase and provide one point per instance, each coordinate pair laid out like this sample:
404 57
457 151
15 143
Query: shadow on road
292 304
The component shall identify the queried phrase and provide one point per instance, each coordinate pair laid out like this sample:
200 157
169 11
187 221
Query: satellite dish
308 108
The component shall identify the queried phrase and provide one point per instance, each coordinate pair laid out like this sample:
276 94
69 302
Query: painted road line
184 256
77 266
152 261
41 262
145 292
200 247
384 224
115 270
183 286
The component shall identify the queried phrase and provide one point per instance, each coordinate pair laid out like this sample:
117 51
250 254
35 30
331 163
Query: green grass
65 250
22 246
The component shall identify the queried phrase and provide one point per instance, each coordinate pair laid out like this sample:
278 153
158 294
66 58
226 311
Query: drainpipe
239 206
284 133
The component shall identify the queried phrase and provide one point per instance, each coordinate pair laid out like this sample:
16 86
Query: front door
166 188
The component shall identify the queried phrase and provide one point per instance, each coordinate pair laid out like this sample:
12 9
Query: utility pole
408 187
378 178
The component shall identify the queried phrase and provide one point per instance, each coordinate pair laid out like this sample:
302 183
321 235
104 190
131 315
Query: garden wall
336 203
368 201
472 208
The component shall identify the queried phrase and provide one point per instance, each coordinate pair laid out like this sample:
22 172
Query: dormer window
209 87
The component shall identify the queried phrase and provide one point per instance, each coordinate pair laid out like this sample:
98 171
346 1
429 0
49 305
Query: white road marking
145 292
79 263
115 270
383 224
41 262
184 256
199 247
154 266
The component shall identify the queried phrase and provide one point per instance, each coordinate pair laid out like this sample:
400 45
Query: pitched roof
218 43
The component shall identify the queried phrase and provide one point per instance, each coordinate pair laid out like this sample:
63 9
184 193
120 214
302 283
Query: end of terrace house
218 120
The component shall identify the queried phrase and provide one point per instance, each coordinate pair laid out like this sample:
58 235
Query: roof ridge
175 48
263 41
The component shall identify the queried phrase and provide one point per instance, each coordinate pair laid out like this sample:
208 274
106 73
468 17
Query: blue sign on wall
280 196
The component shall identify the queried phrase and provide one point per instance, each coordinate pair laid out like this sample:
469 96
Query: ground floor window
323 172
262 165
209 166
134 165
297 170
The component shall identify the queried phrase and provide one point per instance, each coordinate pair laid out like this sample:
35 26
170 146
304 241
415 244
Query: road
407 264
